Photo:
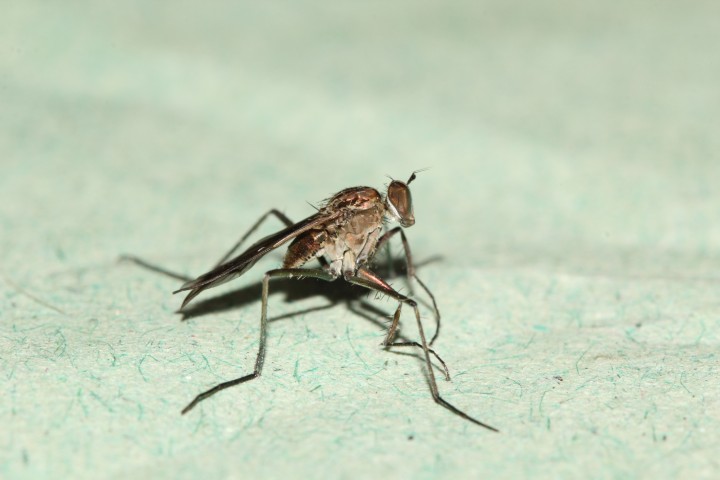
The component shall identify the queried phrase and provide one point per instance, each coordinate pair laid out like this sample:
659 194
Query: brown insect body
343 235
349 240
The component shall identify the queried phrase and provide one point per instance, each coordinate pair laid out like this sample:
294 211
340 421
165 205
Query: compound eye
400 203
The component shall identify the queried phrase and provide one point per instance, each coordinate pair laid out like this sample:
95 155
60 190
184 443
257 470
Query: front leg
410 267
368 279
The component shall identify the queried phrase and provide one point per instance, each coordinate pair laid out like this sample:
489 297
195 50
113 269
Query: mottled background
568 224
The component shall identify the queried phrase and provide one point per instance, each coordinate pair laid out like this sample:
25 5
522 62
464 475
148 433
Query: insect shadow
335 293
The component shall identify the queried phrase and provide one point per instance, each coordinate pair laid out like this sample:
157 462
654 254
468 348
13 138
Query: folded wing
240 264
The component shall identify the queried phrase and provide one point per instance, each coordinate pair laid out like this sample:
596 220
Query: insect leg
404 343
388 342
138 261
153 268
278 214
446 372
368 279
411 274
278 273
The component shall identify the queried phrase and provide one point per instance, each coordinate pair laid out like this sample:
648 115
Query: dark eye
400 203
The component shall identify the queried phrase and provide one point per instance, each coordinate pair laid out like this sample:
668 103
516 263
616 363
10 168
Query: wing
240 264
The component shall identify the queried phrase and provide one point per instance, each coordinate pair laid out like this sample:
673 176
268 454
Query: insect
343 236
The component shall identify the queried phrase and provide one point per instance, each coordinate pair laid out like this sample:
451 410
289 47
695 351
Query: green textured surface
573 195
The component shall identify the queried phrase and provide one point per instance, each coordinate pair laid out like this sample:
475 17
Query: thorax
350 239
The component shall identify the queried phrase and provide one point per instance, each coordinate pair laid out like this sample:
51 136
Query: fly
343 236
